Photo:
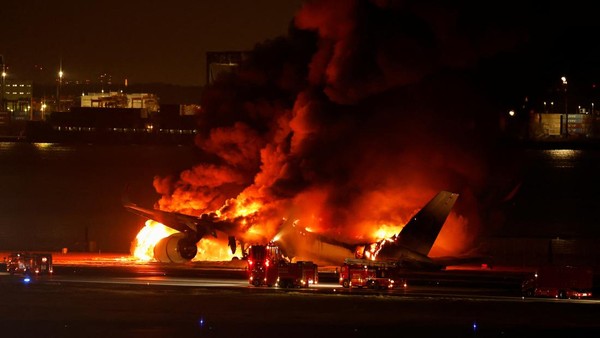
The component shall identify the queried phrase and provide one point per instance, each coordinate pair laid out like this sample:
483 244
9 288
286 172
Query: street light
2 106
60 76
564 82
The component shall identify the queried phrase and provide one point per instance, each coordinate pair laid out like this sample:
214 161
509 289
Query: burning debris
348 125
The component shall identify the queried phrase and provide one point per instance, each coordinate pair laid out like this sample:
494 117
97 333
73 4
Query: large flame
146 239
386 231
209 249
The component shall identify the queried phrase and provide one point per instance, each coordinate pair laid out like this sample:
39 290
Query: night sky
143 41
165 42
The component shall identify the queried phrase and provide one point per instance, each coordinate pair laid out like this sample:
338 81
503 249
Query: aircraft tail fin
421 231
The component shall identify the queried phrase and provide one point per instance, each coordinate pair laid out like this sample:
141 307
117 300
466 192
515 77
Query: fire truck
372 274
559 282
29 263
267 266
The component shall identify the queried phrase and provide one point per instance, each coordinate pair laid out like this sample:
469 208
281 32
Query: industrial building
17 98
544 126
147 103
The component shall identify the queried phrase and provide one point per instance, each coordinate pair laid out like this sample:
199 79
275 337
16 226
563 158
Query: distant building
555 125
148 103
17 98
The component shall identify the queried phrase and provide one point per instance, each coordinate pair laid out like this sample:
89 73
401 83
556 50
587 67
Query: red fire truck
559 282
29 263
267 266
372 274
297 275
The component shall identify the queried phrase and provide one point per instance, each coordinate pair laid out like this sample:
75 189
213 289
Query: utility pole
564 82
60 76
2 108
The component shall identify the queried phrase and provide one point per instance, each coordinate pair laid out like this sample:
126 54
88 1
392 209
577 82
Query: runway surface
214 300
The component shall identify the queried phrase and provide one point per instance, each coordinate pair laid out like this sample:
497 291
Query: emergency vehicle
29 263
372 274
559 282
267 266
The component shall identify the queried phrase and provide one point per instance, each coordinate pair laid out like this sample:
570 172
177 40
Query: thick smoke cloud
350 124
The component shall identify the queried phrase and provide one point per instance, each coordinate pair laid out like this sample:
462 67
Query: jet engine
177 248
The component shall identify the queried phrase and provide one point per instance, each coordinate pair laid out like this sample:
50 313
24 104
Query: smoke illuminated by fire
348 125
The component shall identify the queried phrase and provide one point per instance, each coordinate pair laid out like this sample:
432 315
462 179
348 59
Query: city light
58 88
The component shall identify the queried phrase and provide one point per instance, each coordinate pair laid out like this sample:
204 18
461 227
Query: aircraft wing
188 224
179 222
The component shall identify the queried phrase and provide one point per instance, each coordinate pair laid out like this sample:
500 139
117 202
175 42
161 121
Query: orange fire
146 239
381 235
210 249
386 231
153 232
217 249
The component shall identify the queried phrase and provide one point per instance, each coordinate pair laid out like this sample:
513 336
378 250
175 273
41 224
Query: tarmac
125 299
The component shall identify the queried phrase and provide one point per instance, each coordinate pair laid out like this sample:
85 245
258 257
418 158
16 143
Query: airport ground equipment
29 263
559 282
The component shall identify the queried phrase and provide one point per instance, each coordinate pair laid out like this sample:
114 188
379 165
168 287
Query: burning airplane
345 127
409 248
